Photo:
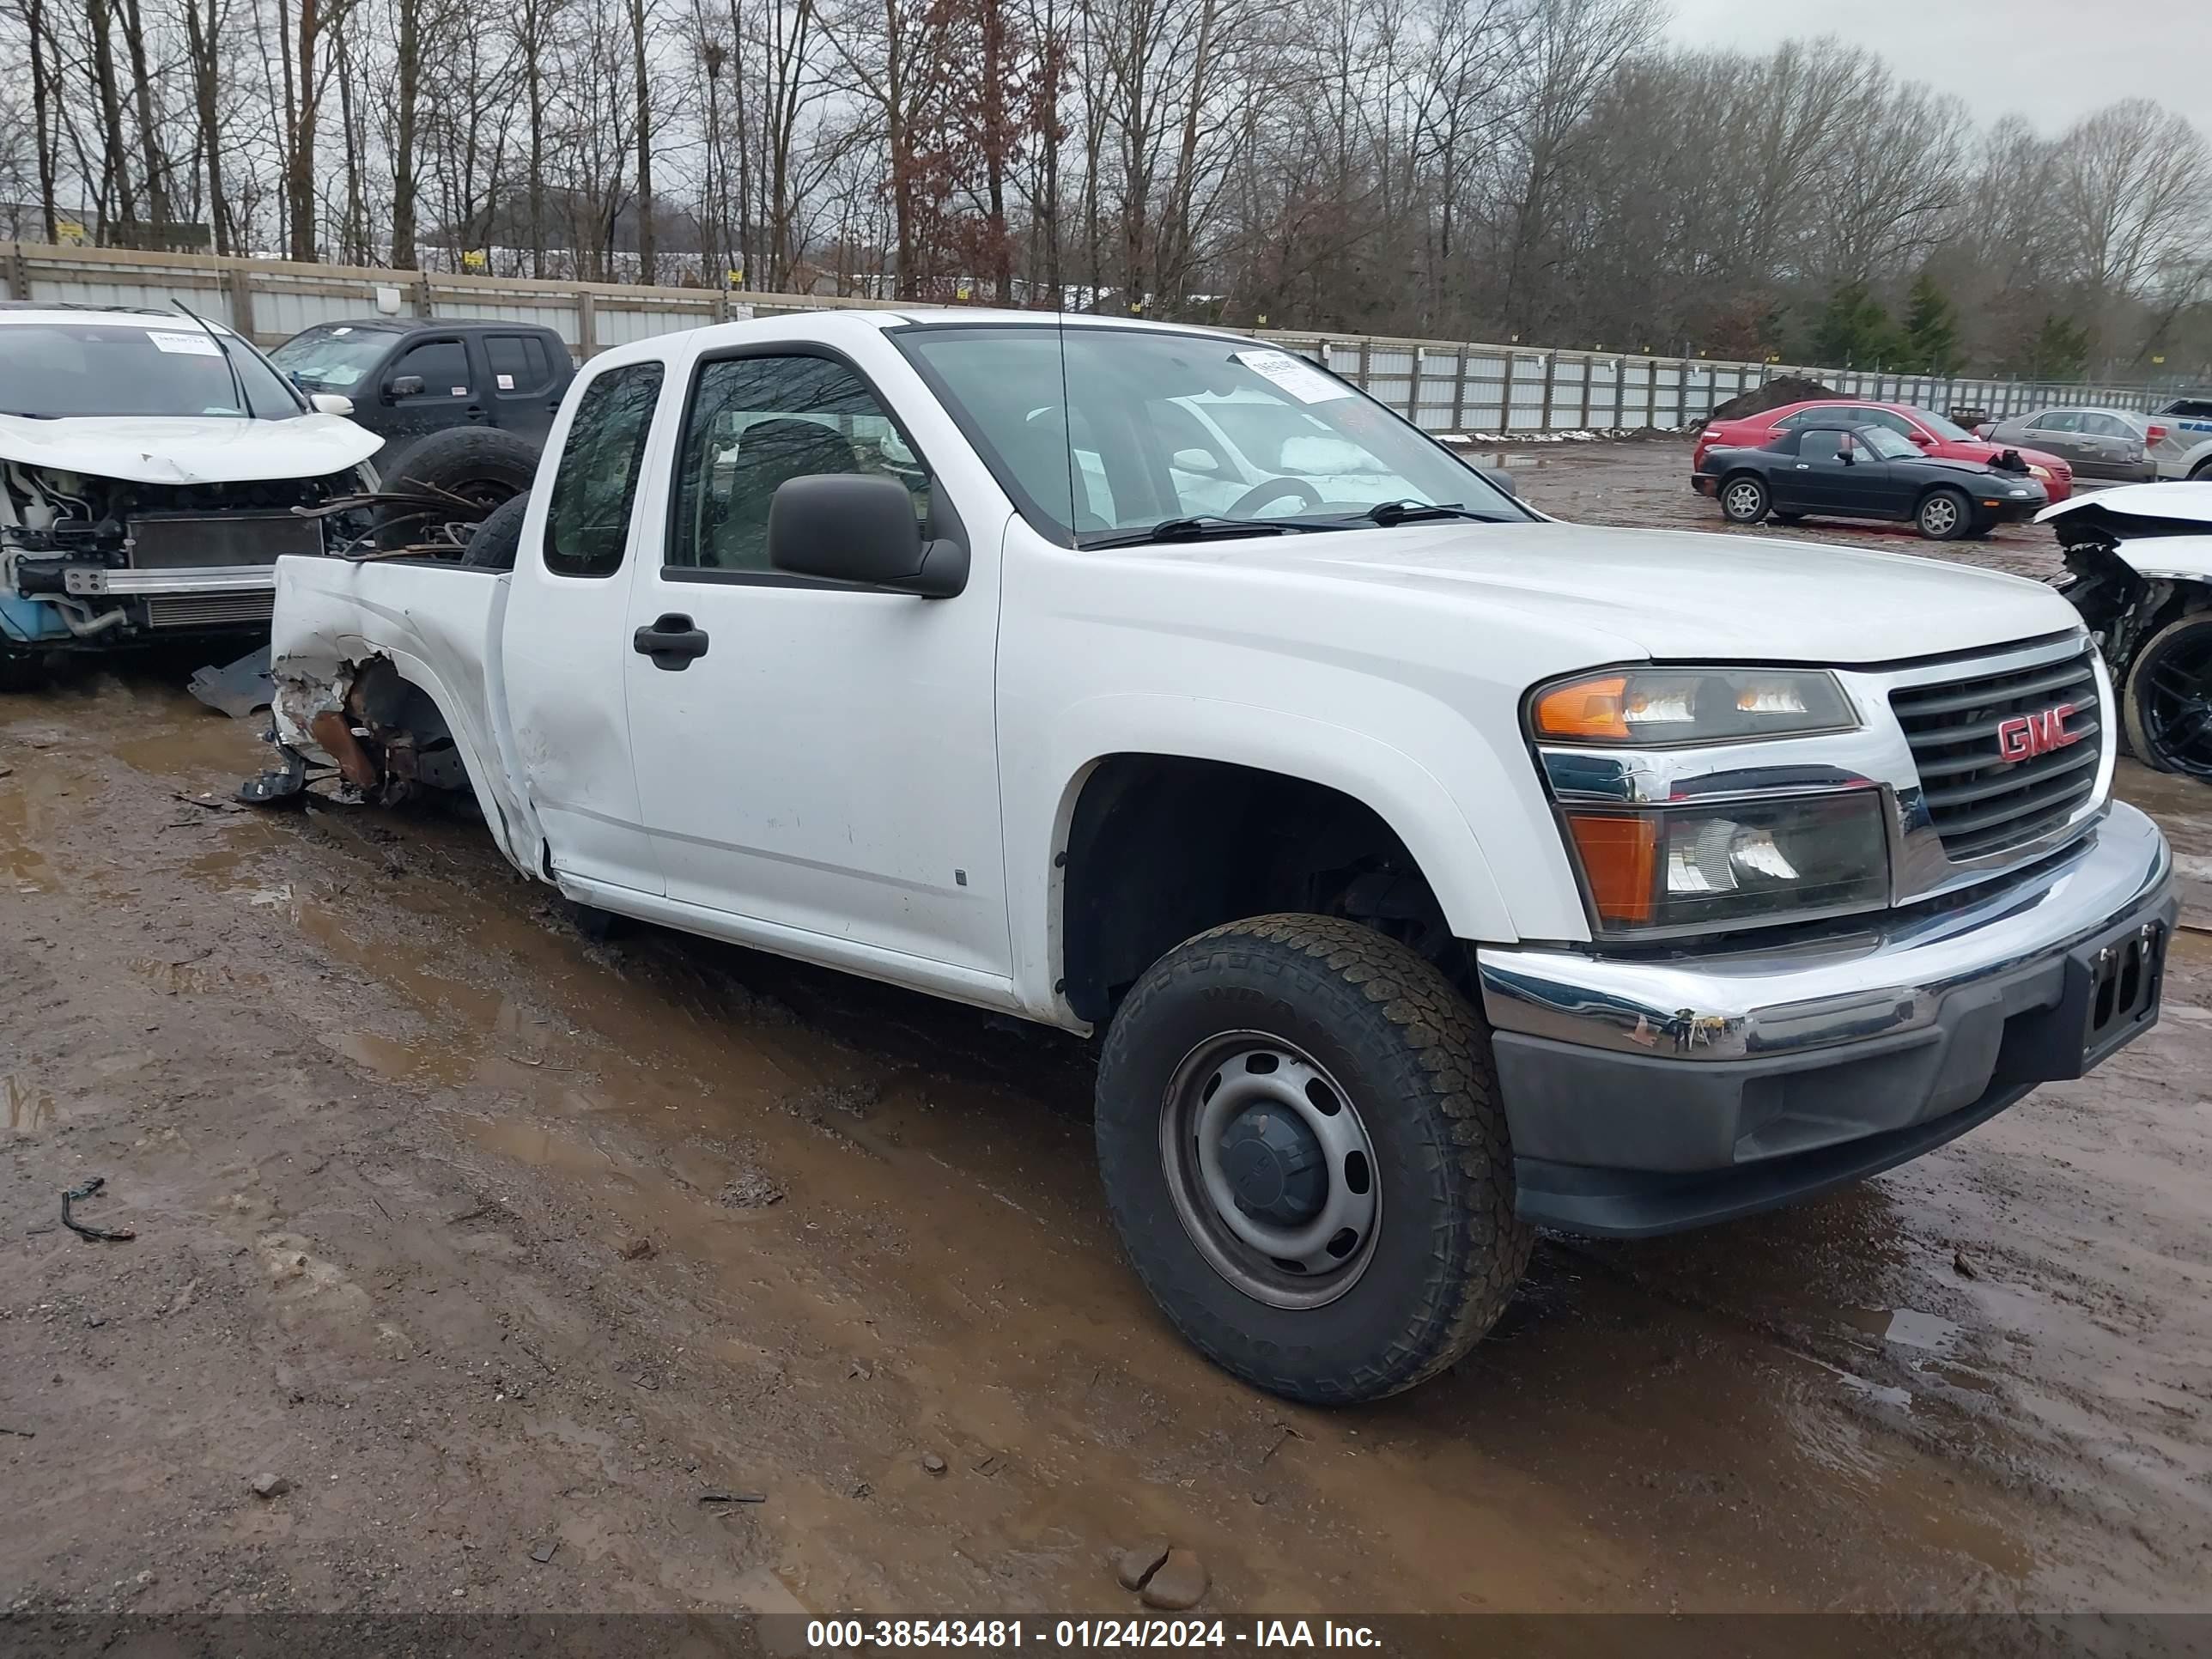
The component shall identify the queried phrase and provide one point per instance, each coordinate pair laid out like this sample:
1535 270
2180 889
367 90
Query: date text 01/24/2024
849 1635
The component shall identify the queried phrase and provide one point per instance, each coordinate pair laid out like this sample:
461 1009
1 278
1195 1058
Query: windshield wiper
1386 513
1200 525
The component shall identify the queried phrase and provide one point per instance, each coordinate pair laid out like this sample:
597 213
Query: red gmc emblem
2026 736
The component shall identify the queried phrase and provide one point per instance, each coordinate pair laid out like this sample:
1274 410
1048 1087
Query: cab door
818 758
566 652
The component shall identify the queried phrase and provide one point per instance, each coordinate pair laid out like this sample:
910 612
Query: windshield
1949 431
1886 444
332 357
1141 428
63 371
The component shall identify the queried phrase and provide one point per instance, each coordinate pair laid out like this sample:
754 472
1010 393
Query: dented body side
387 671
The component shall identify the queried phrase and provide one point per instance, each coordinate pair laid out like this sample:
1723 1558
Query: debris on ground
85 1230
750 1191
933 1463
1961 1267
635 1249
270 1485
543 1552
237 689
733 1497
1178 1583
1132 1567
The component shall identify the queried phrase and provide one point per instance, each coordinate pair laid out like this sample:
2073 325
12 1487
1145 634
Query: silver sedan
2100 443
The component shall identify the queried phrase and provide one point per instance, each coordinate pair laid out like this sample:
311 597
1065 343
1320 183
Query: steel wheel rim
1940 514
1742 500
2177 707
1224 1082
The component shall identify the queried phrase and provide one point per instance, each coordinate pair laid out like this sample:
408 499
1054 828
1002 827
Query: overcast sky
2049 60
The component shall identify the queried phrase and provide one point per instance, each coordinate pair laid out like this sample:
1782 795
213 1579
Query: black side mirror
859 528
404 385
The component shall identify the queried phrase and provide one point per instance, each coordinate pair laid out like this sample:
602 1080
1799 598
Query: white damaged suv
151 468
1432 871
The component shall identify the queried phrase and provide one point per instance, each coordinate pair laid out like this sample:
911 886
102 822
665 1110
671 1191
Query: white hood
2163 530
1680 594
188 449
2189 503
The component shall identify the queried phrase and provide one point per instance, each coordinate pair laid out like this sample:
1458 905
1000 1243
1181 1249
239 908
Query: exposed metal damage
360 735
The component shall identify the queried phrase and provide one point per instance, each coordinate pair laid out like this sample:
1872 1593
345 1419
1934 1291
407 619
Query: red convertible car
1936 436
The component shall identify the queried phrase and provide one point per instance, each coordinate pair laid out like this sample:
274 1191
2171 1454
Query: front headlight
2042 472
1672 868
1655 705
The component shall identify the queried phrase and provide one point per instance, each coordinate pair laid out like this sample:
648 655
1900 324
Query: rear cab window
587 517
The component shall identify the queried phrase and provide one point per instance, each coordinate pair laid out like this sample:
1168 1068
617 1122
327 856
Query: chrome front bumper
1881 981
1647 1095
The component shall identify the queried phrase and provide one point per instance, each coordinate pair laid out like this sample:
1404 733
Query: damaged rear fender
391 738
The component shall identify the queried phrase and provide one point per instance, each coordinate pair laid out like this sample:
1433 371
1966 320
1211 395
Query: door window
756 422
442 365
1824 445
2058 420
519 362
2107 426
587 519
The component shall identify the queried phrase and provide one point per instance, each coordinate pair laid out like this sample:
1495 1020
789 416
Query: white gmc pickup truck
1431 871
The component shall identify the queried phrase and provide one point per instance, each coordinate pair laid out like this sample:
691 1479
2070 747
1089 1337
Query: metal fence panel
1442 385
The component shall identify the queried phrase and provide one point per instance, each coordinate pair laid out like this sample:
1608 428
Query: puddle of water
1908 1327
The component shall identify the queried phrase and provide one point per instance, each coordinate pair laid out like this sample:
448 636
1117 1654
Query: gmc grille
1979 802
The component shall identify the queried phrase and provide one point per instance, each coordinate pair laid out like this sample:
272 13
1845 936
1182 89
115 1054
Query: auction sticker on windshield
185 345
1295 375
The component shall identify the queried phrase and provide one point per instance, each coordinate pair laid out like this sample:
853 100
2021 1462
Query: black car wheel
2167 704
1788 518
475 467
1945 515
1302 1147
493 544
1744 499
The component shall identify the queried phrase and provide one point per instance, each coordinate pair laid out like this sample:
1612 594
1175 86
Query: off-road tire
1736 512
1960 521
479 464
1449 1249
495 543
2134 725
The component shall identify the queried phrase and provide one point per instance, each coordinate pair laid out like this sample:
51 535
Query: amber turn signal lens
1583 709
1620 860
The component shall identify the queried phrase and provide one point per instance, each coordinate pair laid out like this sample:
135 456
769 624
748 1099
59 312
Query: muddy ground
503 1246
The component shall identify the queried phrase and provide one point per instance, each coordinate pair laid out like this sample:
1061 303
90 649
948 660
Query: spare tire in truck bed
480 466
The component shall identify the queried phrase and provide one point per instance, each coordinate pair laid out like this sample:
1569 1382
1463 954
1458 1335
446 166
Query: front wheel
2168 705
1744 500
1300 1140
1945 515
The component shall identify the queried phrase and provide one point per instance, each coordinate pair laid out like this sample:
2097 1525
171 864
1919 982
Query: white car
2182 444
1431 872
2139 569
149 468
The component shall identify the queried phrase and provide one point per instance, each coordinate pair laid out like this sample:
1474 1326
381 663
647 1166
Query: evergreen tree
1854 331
1931 329
2059 351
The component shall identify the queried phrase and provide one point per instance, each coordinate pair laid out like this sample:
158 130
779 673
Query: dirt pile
1782 389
